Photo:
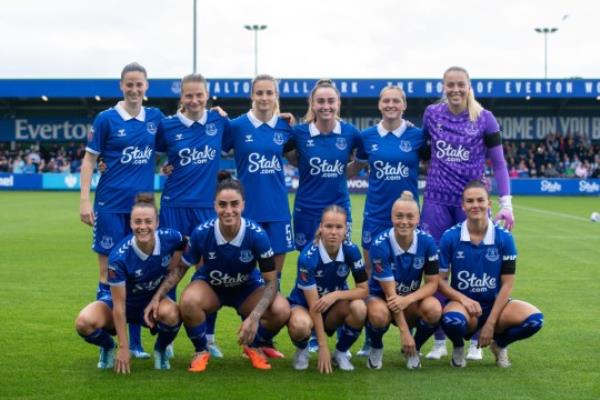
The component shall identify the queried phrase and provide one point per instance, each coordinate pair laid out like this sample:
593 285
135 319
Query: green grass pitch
48 273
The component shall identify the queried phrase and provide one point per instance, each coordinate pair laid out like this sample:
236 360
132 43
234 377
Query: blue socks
135 336
211 321
454 325
99 338
166 335
375 335
197 335
347 336
527 328
264 337
424 332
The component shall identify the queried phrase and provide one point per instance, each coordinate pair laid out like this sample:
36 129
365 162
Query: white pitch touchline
553 213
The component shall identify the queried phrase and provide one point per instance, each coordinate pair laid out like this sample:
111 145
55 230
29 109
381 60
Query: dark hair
475 184
332 208
226 181
145 200
134 67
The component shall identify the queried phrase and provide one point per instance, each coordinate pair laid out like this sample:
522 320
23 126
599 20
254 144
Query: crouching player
481 258
136 267
321 298
230 247
401 257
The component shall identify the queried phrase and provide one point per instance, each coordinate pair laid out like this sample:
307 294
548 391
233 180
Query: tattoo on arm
265 301
172 279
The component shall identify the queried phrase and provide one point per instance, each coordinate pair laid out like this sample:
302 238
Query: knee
84 324
379 318
280 310
534 322
189 308
299 328
431 312
168 313
358 310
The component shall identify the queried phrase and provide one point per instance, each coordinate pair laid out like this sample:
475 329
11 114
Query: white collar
126 116
488 239
143 256
188 122
312 129
398 251
396 132
325 256
237 240
257 122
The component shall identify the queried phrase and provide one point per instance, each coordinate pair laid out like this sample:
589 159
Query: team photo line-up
445 269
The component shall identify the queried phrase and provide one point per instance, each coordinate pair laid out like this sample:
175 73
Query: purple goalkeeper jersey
458 151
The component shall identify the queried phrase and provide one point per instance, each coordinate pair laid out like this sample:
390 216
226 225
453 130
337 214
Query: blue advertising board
293 88
536 187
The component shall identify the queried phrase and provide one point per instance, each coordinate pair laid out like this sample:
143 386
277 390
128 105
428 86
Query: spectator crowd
570 156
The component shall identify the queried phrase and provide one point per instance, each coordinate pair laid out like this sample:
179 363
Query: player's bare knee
168 313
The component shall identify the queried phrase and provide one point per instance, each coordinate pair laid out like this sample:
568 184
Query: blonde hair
393 87
408 197
473 106
321 83
266 77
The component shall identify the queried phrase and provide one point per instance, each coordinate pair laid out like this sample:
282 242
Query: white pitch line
553 213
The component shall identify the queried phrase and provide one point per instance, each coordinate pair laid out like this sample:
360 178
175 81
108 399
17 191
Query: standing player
192 139
321 298
481 259
402 257
324 145
137 265
230 247
124 137
462 134
390 150
258 139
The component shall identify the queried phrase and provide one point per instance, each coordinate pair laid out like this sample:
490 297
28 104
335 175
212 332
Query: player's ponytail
407 196
226 181
145 200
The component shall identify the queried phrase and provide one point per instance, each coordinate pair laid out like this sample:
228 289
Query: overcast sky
304 38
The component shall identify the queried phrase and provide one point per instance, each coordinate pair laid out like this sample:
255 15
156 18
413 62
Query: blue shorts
280 236
436 218
232 296
184 219
305 228
370 230
104 295
109 230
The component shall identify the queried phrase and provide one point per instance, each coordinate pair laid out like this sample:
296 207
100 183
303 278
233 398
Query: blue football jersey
317 270
406 268
393 167
228 264
475 269
126 144
139 272
194 150
258 150
322 163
